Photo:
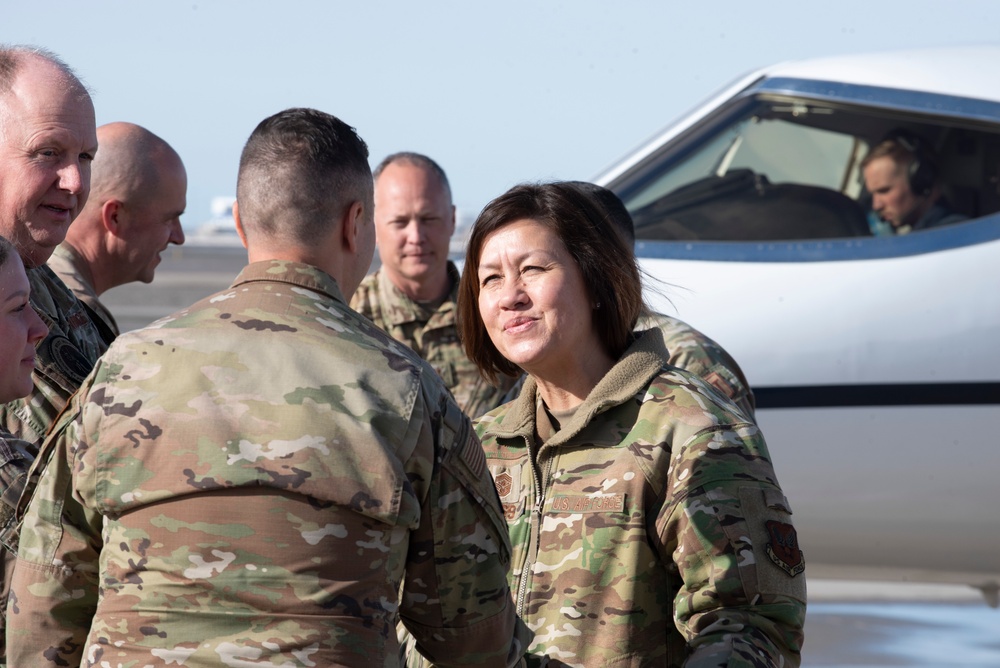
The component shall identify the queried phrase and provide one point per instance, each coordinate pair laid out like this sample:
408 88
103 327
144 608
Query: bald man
138 193
414 294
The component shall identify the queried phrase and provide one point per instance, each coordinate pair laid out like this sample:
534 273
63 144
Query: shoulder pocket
778 560
464 458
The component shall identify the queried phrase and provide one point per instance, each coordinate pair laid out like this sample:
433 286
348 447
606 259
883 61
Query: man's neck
85 264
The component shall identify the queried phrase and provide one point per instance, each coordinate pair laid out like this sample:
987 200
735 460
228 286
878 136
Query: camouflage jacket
264 477
432 333
689 349
15 460
692 351
74 272
62 360
650 529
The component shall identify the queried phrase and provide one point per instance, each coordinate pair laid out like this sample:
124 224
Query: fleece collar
642 361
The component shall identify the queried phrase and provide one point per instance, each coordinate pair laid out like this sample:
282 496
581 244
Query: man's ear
351 224
239 224
112 216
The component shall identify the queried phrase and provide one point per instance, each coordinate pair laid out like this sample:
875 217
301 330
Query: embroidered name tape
566 503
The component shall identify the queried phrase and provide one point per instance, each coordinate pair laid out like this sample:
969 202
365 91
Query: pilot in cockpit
901 174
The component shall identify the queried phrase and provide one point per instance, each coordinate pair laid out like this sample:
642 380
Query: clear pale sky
498 93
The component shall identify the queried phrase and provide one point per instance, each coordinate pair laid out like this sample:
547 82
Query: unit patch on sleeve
784 547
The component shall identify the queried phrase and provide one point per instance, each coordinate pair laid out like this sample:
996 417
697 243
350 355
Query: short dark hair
299 171
416 159
609 268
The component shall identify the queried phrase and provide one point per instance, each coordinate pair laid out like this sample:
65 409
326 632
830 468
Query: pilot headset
922 174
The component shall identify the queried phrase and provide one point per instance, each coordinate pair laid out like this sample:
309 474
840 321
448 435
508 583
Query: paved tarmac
854 624
185 275
863 624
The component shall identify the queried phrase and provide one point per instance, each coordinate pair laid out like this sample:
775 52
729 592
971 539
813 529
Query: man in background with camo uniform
413 294
138 193
48 139
266 477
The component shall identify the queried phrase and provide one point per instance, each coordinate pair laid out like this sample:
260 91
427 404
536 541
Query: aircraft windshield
784 169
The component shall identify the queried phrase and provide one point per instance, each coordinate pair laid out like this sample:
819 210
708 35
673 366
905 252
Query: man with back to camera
266 477
901 174
413 294
47 142
138 193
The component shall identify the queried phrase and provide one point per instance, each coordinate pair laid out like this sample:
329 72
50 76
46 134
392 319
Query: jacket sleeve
55 584
456 601
726 528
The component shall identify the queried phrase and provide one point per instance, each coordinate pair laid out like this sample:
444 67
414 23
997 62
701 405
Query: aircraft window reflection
789 153
703 163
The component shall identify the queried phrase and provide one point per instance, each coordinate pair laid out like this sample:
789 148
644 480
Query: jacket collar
294 273
642 361
398 308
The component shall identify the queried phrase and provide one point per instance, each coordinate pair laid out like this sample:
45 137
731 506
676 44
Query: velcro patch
784 547
507 480
59 354
78 319
474 457
503 482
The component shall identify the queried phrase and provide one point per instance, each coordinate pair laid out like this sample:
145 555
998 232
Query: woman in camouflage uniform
20 331
647 523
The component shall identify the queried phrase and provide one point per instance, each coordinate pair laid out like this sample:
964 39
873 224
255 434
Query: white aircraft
875 359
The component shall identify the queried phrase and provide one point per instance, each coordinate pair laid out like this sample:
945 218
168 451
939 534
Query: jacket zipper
536 521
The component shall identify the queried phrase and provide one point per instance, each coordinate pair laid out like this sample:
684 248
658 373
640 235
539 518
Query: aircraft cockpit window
702 164
767 176
788 153
779 169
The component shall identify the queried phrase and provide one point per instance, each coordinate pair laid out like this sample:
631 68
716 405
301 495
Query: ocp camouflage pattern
74 272
252 481
62 359
693 351
433 334
640 528
689 349
16 457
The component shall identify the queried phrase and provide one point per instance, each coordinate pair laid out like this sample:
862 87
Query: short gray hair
13 56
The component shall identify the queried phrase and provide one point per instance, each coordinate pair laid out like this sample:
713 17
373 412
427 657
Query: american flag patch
474 457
